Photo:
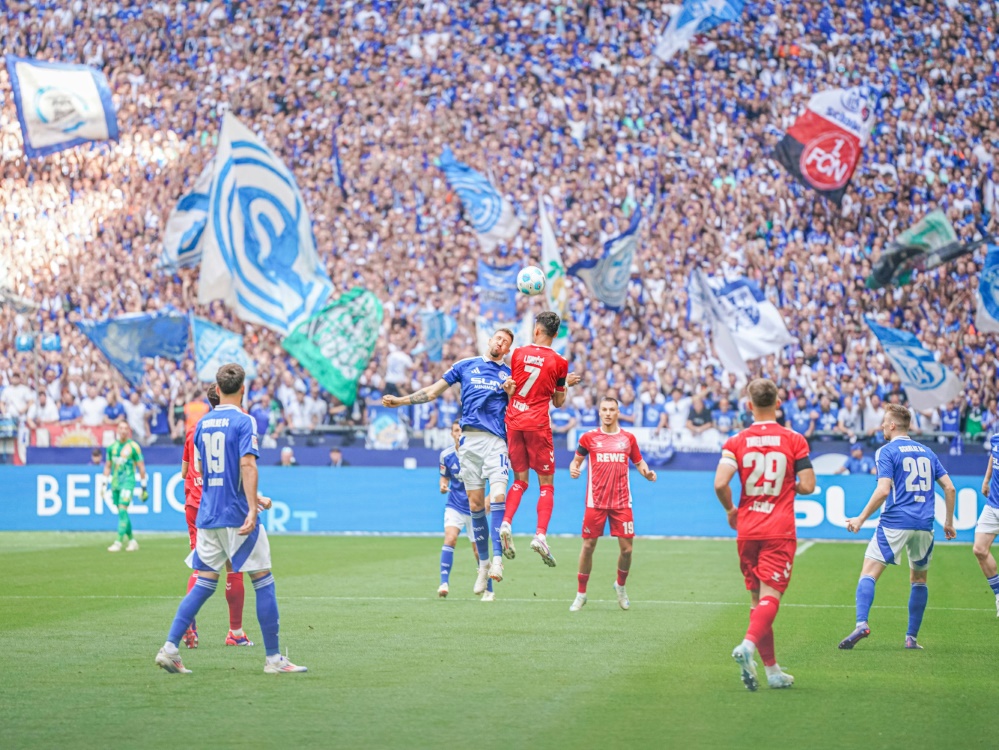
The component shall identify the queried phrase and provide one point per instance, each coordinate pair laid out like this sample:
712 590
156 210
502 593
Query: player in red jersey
539 378
234 593
608 495
767 457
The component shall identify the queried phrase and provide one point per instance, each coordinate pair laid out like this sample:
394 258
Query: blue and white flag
927 382
186 226
557 286
739 315
215 346
127 339
490 214
694 16
607 276
258 253
60 105
987 314
498 291
437 328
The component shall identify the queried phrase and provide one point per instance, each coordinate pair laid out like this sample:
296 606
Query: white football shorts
459 521
483 457
988 522
248 554
887 544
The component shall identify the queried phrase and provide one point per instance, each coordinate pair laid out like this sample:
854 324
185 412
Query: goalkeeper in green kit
124 457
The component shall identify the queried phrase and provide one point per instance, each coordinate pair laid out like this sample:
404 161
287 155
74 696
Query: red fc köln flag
824 145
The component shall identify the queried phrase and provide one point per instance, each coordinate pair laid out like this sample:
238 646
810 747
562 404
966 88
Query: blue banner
497 292
306 499
51 342
128 339
437 327
606 277
695 16
215 346
60 105
490 214
24 343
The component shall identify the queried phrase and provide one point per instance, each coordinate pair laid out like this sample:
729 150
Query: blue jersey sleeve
443 463
453 375
938 468
248 437
884 462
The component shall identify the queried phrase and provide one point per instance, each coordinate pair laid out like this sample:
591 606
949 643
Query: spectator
336 458
42 412
726 418
16 397
137 415
857 463
92 407
297 415
68 410
397 367
700 419
287 457
114 410
96 457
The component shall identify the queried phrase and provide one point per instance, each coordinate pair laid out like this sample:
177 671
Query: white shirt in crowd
136 416
397 367
92 410
43 414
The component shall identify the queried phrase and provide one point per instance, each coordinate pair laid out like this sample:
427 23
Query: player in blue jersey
482 451
988 522
228 529
907 471
457 516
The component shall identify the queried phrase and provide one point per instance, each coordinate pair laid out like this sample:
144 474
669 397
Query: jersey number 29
770 467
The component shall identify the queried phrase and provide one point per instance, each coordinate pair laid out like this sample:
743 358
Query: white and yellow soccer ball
531 280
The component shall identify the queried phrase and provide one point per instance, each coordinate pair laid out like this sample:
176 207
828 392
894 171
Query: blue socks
993 584
480 530
447 560
917 606
267 613
865 598
189 606
496 520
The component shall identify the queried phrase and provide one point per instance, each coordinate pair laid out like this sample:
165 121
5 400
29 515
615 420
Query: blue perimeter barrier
394 500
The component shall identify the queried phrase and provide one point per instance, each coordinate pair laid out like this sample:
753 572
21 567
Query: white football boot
578 603
622 596
442 591
540 545
496 569
743 656
171 662
115 546
481 579
132 546
506 539
281 665
488 596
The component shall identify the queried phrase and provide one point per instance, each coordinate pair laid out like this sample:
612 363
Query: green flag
928 243
335 345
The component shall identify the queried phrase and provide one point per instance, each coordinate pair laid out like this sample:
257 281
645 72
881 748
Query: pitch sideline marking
803 548
667 602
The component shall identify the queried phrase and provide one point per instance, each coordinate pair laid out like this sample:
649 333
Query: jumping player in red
767 457
234 594
539 377
608 495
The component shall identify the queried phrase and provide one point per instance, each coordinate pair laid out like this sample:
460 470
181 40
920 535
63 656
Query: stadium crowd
564 99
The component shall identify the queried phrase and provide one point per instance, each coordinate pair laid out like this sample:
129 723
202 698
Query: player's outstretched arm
723 475
988 478
950 499
878 498
248 473
645 471
422 396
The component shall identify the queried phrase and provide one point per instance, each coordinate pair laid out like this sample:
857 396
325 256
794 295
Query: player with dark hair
608 495
907 471
539 377
767 458
228 528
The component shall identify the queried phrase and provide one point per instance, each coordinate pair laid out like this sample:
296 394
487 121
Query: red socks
513 498
234 598
622 576
546 501
761 623
584 578
766 648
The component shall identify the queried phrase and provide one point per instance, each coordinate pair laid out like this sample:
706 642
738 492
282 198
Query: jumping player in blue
482 451
228 530
457 516
907 471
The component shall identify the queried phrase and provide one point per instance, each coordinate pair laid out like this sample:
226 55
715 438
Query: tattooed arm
422 396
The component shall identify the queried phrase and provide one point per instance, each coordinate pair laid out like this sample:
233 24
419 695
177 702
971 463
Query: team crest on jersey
253 443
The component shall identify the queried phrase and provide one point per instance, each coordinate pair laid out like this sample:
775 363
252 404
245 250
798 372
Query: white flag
186 226
258 253
705 308
557 287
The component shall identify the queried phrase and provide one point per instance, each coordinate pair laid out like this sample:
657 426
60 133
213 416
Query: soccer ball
531 280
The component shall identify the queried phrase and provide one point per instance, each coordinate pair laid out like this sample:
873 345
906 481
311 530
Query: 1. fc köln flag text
823 147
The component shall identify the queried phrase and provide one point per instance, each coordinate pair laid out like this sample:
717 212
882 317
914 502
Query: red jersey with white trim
539 372
608 484
767 457
192 482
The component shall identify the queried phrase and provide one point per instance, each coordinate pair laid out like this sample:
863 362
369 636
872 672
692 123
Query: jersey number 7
532 378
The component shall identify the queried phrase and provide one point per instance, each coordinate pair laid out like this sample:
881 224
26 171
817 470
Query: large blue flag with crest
60 105
695 16
927 382
490 214
258 253
607 276
186 226
215 346
987 314
128 339
437 327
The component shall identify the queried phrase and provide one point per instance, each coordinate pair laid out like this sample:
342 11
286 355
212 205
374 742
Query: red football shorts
768 561
531 450
192 516
622 522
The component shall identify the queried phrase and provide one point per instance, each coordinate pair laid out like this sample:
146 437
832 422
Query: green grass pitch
393 666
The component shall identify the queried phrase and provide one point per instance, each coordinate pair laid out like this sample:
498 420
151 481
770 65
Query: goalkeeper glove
144 493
